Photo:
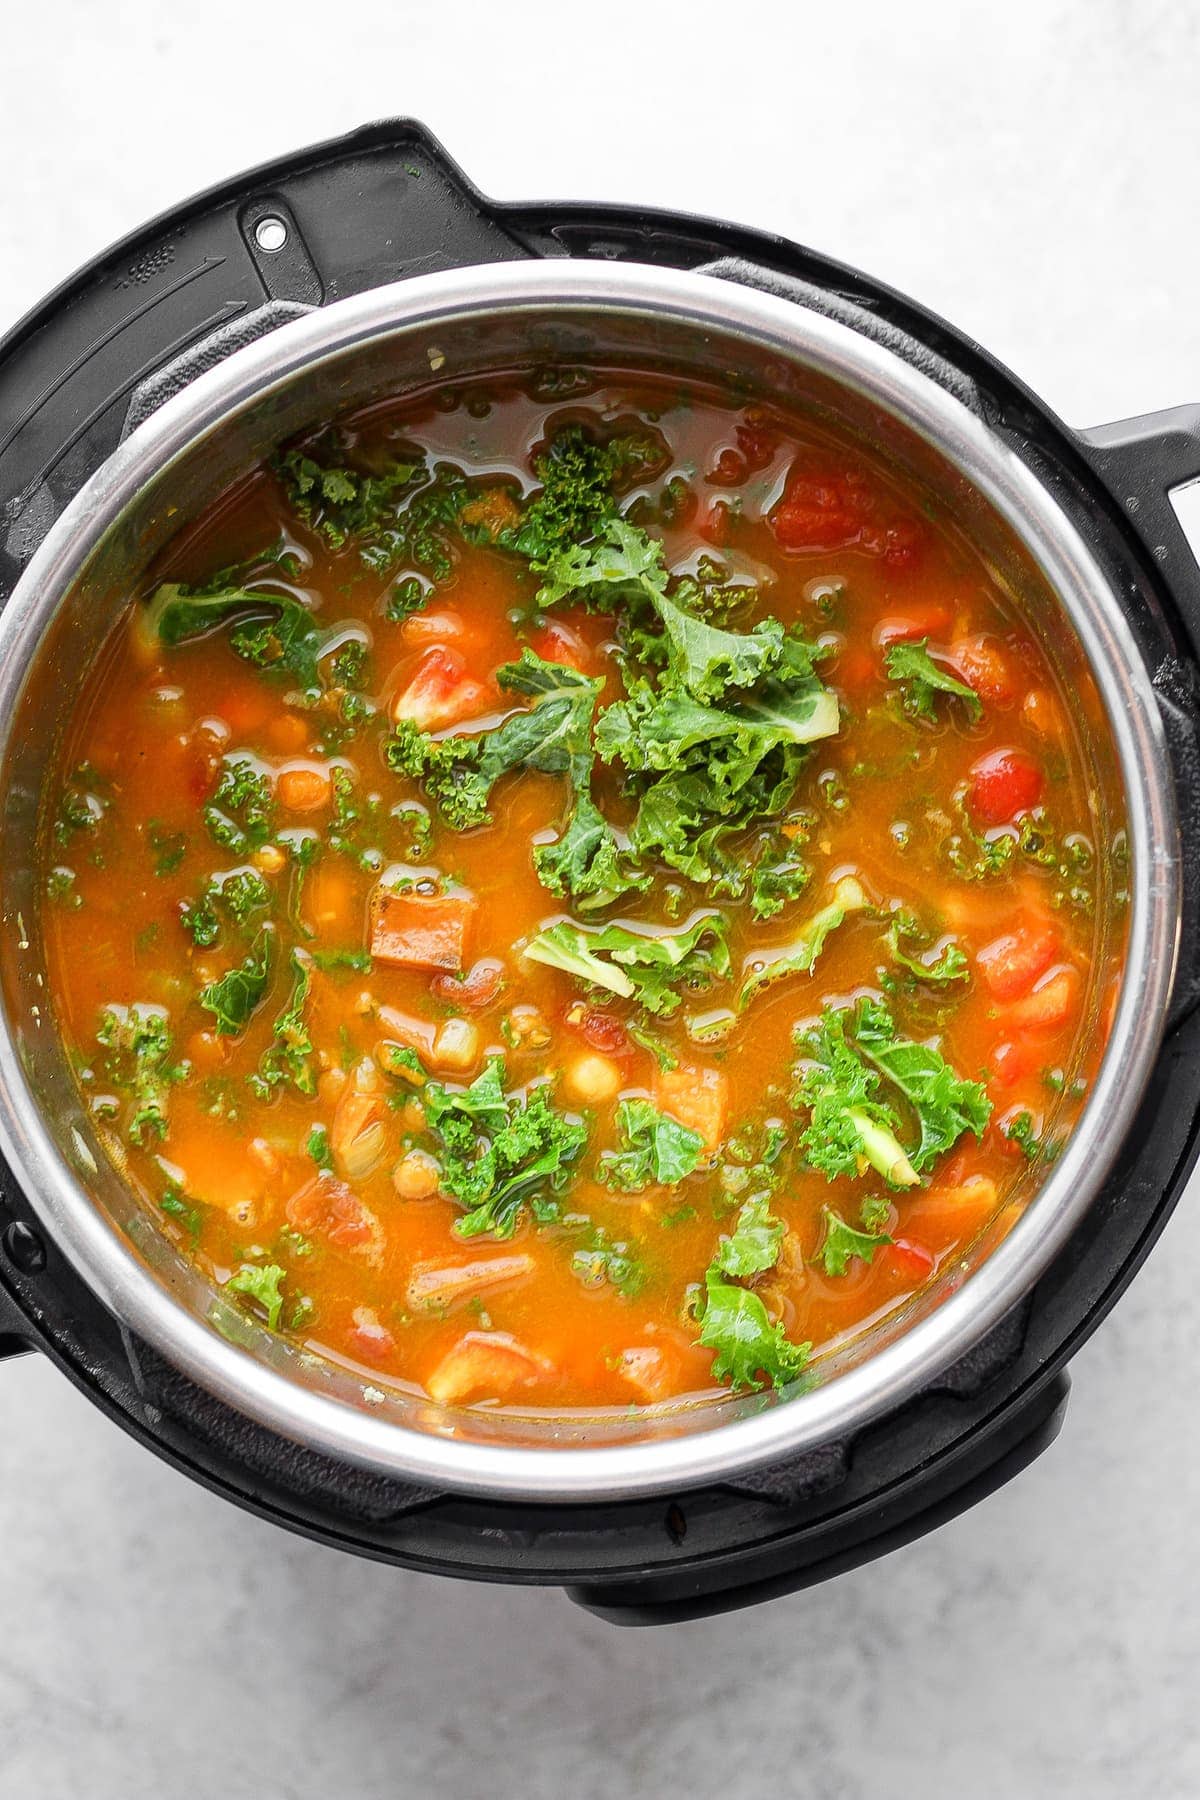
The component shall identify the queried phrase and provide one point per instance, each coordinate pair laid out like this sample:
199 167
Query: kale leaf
654 1148
850 1054
260 1283
498 1150
799 959
291 1055
234 997
138 1040
649 967
273 631
922 679
841 1242
751 1349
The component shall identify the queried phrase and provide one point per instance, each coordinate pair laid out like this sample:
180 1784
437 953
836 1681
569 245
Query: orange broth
593 1300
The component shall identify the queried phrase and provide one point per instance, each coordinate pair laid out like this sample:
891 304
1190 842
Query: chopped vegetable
921 680
654 969
654 1148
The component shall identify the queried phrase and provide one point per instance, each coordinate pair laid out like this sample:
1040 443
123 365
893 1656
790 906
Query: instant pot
370 266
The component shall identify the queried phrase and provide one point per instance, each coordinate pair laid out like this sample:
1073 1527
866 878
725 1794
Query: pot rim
848 1400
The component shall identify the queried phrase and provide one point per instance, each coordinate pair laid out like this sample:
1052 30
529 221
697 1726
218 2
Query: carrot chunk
484 1365
421 931
303 790
698 1098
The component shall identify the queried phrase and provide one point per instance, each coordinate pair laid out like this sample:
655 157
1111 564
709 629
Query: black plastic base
380 205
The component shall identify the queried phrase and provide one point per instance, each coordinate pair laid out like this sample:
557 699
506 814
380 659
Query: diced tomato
1010 1061
1011 964
1050 1004
757 443
326 1209
909 1260
368 1338
921 620
714 524
819 512
557 643
903 544
485 1365
603 1031
421 931
1002 784
476 989
983 663
951 1211
440 692
698 1098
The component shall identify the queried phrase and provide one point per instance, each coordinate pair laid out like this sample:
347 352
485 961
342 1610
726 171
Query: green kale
950 964
407 597
842 1241
944 1104
753 1245
654 1148
273 631
344 503
751 1349
850 1054
649 1040
83 803
651 968
319 1148
921 680
553 735
587 864
290 1057
601 1258
779 874
799 959
261 1285
499 1150
169 847
240 893
138 1041
234 997
61 889
241 814
1022 1132
177 1206
578 478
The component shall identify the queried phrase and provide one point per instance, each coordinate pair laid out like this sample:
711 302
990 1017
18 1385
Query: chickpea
416 1176
593 1078
269 860
330 1085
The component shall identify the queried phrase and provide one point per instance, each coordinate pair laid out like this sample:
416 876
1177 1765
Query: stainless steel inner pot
452 327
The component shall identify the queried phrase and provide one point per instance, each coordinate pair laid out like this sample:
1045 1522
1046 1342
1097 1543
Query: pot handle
1141 462
933 1496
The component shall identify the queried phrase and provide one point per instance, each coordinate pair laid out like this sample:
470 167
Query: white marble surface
1032 171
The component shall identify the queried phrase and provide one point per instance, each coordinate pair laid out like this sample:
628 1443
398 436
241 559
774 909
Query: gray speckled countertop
1031 171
